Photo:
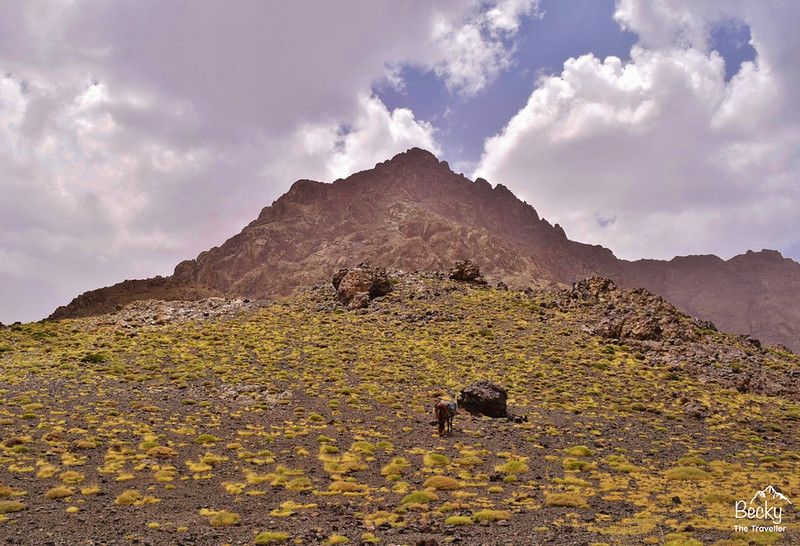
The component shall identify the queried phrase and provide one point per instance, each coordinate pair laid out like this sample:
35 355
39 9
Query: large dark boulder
356 286
484 398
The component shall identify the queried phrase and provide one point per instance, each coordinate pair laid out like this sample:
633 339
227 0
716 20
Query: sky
134 135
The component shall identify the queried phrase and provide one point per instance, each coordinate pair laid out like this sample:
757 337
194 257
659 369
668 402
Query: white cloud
74 188
506 15
135 135
660 156
375 135
331 150
472 52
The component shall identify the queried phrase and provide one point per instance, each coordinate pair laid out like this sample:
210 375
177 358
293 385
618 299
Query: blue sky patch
567 29
731 39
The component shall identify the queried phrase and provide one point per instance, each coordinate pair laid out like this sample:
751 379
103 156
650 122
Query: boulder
356 286
484 397
466 271
592 290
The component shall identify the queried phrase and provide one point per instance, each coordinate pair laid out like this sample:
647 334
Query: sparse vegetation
271 537
304 414
223 518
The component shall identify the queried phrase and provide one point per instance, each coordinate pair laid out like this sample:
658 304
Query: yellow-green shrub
442 483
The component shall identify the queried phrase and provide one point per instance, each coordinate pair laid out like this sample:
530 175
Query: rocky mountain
414 213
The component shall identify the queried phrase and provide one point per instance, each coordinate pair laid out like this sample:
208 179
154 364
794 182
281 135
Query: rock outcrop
484 397
633 314
657 331
466 271
356 286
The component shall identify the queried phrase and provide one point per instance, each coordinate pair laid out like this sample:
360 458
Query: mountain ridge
413 212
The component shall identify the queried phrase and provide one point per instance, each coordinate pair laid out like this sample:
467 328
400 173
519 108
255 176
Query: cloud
473 52
135 135
684 162
335 149
375 135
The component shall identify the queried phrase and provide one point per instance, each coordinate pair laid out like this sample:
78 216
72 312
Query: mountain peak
415 154
412 212
414 157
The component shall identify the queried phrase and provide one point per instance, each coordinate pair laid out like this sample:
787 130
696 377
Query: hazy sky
134 135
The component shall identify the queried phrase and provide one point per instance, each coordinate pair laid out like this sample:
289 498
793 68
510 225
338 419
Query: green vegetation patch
419 497
442 483
271 537
7 507
688 473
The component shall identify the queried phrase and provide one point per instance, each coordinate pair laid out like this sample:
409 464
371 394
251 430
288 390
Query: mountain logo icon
769 493
765 505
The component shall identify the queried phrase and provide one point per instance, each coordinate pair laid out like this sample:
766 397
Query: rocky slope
412 212
298 421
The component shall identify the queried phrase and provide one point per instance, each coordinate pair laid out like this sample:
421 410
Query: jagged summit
413 212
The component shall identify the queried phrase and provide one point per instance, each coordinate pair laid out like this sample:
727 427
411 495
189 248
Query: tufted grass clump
688 473
205 439
579 451
47 471
392 471
619 463
328 449
459 520
223 518
380 517
6 491
84 444
718 498
442 483
299 484
161 452
395 468
271 537
682 539
362 447
692 461
514 466
90 490
491 515
565 499
576 464
70 477
128 498
132 497
7 507
347 487
419 497
436 459
338 539
59 493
